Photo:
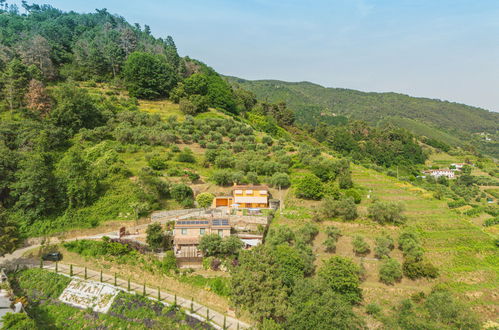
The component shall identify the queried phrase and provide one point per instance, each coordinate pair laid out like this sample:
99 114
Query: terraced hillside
464 253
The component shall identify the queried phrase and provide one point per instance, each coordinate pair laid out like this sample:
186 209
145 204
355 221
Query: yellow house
244 197
251 196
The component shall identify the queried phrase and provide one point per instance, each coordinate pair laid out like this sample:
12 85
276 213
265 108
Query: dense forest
451 123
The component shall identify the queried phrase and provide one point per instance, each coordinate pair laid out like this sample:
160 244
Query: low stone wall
165 215
248 222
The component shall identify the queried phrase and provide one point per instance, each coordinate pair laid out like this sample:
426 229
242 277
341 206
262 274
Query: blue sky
445 49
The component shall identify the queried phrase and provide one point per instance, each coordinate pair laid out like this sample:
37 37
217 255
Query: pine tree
9 236
15 79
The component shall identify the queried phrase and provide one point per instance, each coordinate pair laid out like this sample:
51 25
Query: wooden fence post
175 301
144 289
225 323
115 279
56 267
71 270
129 284
159 294
192 305
207 315
41 263
86 275
101 276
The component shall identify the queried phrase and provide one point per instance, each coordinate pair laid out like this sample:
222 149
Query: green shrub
355 194
414 269
222 177
373 309
309 186
456 204
157 162
344 208
307 233
491 222
186 156
387 212
360 247
169 262
390 271
181 192
19 321
330 244
384 244
333 232
280 180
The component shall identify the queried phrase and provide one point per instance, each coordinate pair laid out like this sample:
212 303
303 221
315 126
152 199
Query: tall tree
34 189
15 79
9 235
76 175
37 99
258 287
36 50
148 75
75 109
317 307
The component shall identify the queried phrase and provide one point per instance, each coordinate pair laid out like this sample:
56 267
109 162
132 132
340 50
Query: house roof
254 187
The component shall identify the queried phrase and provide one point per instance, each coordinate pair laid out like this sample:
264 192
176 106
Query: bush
169 262
309 187
360 247
414 269
148 75
387 212
456 204
330 244
186 156
280 180
155 237
384 245
181 192
410 246
19 321
344 208
373 309
205 200
307 233
491 222
333 232
222 177
342 276
355 194
157 162
390 271
345 180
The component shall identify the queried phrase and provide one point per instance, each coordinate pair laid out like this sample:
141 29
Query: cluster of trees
213 245
387 146
329 179
282 295
414 265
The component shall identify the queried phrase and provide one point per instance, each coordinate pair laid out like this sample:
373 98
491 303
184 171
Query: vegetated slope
464 254
314 103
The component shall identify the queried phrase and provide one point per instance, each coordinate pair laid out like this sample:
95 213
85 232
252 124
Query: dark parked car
52 256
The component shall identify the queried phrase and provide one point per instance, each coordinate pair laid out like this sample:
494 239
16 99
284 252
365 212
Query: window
221 232
202 231
249 192
184 231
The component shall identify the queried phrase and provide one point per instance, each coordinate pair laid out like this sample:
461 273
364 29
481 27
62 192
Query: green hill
104 124
452 123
